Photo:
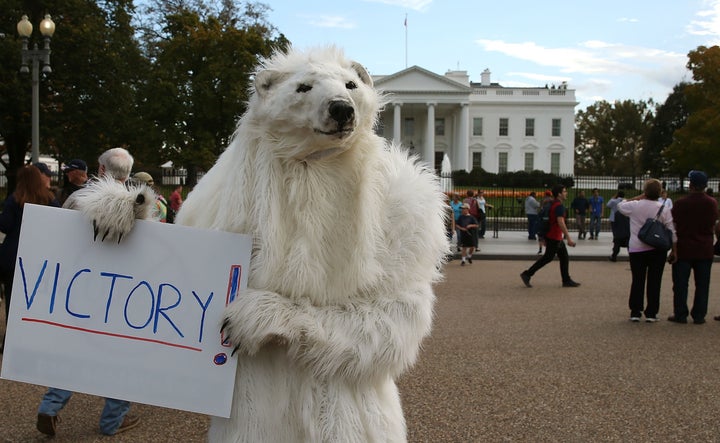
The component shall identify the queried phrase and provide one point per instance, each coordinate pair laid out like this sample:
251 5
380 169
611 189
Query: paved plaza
506 363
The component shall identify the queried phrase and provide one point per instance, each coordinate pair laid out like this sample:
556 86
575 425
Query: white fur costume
112 206
348 238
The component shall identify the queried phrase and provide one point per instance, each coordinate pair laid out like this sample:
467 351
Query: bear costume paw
113 207
261 318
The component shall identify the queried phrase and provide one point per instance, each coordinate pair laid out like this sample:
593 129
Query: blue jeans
594 225
681 277
532 226
111 418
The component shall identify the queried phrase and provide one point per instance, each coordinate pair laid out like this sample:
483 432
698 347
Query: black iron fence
506 205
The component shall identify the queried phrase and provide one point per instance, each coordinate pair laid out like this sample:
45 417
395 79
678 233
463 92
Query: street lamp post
35 56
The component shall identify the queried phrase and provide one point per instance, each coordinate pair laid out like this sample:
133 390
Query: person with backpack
619 224
554 244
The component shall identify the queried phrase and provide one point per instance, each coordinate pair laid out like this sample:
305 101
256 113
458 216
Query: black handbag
655 234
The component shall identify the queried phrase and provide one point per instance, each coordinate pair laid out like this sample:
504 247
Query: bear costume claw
112 206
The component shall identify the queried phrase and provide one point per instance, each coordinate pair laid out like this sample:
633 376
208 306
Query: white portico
479 125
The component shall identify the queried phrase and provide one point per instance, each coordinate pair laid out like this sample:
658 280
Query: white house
479 125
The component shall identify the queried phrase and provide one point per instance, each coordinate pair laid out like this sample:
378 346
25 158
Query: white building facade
479 125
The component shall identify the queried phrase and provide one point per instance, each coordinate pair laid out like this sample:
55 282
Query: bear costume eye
303 88
351 85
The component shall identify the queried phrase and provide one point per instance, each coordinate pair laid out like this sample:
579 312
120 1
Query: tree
88 102
201 60
611 137
696 144
669 117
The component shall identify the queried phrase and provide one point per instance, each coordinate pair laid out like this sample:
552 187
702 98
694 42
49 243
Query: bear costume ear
264 81
364 76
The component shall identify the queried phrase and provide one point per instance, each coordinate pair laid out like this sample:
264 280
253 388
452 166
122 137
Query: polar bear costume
348 239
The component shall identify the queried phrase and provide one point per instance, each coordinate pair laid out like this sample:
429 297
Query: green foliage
88 102
202 58
518 179
611 137
669 117
168 82
696 145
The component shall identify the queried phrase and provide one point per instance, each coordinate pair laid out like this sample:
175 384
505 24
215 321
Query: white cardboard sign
138 321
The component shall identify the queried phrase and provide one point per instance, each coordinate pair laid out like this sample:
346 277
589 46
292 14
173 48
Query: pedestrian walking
554 244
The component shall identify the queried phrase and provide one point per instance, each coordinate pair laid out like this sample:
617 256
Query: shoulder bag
655 234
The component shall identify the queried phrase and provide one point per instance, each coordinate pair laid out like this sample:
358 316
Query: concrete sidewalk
514 245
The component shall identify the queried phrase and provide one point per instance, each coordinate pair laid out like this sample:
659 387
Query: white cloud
709 22
591 57
331 21
595 44
415 5
628 20
540 77
597 68
566 59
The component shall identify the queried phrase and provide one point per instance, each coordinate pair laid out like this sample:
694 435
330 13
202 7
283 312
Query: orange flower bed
498 193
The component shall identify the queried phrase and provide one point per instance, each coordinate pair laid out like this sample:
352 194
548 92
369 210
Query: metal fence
507 211
507 204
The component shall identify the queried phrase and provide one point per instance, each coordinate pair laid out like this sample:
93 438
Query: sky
606 50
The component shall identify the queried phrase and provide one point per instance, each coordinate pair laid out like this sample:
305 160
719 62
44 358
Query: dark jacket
621 229
10 221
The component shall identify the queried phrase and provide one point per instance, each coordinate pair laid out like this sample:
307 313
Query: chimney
485 78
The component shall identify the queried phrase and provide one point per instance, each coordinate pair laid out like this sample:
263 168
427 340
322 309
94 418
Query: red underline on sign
93 331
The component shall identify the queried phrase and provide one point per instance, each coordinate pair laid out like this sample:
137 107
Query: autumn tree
202 56
611 137
697 143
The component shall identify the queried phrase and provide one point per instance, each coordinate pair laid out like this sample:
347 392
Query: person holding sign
115 164
30 189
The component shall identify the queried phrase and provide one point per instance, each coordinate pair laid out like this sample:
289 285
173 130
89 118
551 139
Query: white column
397 119
429 151
464 138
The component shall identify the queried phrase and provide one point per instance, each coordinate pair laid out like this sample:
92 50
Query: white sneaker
634 319
652 319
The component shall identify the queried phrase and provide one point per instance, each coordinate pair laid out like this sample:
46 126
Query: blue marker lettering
67 296
54 291
161 311
233 288
204 307
234 283
152 304
112 286
29 301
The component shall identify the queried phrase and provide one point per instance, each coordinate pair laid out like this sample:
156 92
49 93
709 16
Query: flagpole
406 43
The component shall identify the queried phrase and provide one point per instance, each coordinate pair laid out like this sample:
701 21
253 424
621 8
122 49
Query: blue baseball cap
43 168
698 179
75 165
